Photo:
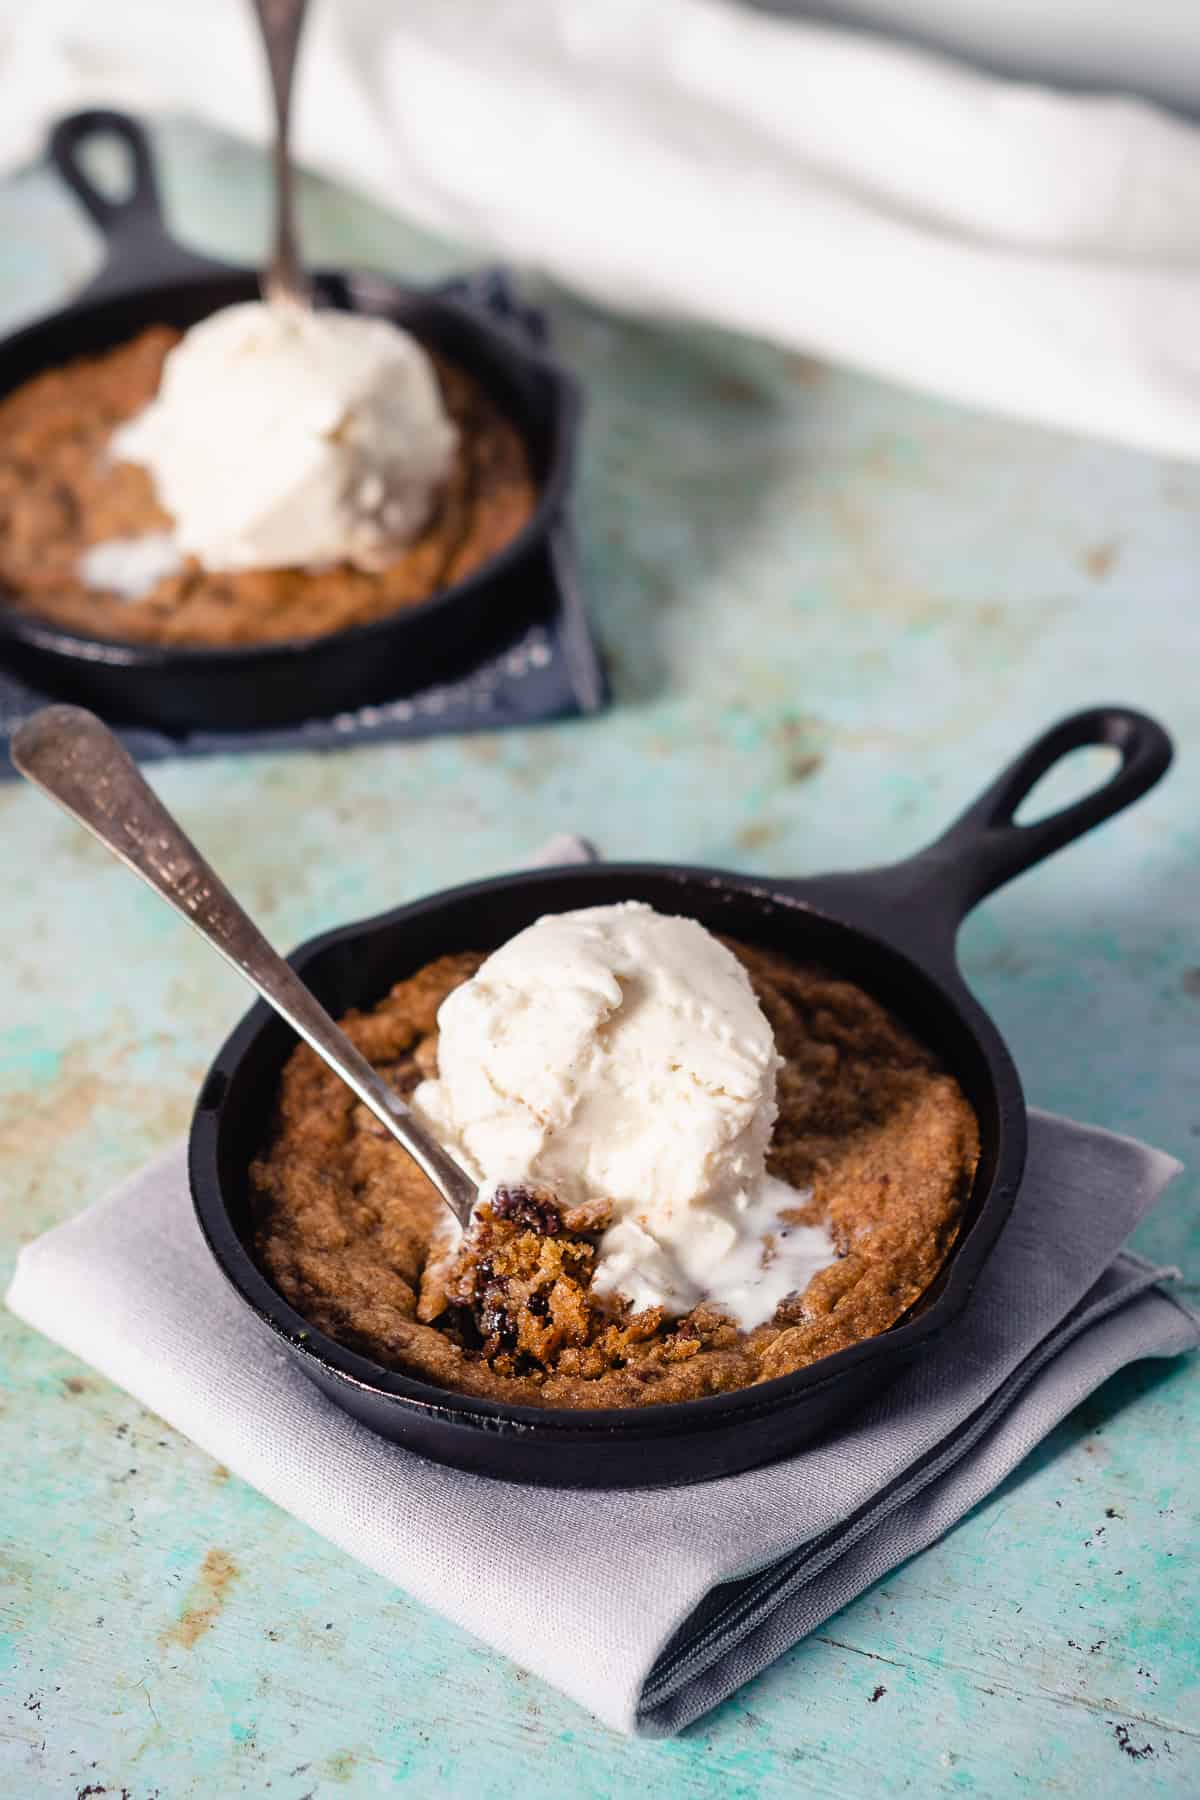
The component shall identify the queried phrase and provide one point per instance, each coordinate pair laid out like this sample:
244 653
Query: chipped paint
1099 560
204 1601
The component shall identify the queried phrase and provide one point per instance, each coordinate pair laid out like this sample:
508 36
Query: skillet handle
985 845
140 251
919 905
141 202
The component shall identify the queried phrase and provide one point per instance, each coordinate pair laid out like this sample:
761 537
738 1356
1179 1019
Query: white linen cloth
1023 250
647 1607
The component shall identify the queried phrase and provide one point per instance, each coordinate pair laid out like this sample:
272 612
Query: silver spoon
280 22
73 757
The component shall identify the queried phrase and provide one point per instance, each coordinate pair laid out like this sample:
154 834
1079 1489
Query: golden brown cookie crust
61 492
868 1119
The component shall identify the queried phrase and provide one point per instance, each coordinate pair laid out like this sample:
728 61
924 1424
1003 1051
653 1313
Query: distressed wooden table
831 609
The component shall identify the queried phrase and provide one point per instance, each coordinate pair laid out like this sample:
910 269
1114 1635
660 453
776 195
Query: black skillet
149 279
892 930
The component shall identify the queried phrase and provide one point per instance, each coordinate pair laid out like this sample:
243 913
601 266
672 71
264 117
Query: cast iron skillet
892 929
149 279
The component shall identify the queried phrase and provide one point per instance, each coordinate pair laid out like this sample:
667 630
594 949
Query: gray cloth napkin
646 1607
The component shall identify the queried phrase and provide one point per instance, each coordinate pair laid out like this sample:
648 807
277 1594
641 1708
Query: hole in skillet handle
73 136
1072 776
988 847
918 905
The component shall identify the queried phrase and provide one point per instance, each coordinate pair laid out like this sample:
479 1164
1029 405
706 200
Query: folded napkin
1020 249
647 1607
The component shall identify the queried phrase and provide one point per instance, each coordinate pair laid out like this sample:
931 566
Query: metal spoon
73 757
280 23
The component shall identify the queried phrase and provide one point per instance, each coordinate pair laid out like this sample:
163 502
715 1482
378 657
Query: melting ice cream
283 438
617 1053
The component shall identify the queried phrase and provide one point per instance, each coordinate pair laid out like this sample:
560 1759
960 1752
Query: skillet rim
961 1270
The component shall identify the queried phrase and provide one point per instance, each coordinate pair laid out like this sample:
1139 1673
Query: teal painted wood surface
831 609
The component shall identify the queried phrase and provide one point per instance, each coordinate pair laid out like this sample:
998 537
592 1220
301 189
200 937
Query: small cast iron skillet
148 279
892 930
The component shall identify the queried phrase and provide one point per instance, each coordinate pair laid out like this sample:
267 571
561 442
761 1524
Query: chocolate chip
538 1305
535 1209
461 1323
493 1317
497 1329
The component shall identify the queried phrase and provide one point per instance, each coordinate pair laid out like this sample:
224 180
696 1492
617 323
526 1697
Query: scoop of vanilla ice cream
616 1053
282 437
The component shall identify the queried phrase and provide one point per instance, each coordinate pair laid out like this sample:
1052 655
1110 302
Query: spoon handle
69 754
280 23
